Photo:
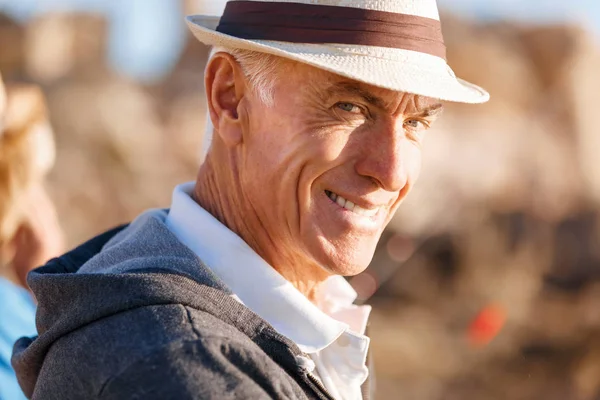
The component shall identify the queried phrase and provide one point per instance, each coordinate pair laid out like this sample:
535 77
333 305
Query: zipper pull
306 364
307 367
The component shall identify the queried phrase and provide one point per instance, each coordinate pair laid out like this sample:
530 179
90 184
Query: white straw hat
393 44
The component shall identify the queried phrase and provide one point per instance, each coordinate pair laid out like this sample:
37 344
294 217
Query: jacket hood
125 268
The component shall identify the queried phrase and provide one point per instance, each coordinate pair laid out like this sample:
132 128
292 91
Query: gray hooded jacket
134 314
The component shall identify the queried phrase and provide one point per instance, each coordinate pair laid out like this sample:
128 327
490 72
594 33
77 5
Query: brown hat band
310 23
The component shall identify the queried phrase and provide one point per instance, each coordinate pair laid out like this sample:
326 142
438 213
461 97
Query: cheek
328 146
275 168
413 163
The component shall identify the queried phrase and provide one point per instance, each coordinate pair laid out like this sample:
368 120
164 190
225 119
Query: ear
225 86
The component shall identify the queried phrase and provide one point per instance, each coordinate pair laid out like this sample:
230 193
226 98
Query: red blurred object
486 325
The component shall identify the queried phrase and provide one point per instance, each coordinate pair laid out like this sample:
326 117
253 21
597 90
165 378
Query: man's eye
349 107
415 124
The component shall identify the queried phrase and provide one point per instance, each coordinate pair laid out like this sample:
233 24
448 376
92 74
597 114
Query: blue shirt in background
17 319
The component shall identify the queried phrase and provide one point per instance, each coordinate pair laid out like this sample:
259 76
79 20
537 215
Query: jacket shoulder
165 351
213 367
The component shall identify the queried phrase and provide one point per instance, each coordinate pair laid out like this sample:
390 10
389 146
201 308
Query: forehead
328 86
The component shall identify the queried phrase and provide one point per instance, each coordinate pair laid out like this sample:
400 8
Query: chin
349 261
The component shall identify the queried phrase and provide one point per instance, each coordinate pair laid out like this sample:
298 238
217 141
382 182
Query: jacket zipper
319 385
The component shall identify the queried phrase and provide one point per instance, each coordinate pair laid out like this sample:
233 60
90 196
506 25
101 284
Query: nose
386 157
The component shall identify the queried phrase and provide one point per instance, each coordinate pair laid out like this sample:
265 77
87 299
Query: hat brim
394 69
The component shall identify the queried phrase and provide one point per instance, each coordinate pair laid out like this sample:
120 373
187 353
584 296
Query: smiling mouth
350 206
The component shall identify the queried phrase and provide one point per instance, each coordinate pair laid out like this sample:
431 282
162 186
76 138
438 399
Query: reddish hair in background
20 147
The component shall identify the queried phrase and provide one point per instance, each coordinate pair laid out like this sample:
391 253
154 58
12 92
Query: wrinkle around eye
417 131
353 108
358 116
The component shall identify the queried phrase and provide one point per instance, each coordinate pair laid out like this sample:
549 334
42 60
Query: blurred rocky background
485 286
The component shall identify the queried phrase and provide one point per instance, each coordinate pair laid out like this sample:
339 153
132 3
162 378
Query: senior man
318 110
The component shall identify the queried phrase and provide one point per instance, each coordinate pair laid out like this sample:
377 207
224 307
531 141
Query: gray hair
261 71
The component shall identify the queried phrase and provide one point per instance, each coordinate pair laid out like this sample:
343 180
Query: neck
218 192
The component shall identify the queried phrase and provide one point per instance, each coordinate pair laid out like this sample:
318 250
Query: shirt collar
259 286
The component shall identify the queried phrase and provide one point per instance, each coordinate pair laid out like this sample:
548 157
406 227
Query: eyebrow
432 111
355 90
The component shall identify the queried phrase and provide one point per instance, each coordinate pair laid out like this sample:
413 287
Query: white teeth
348 205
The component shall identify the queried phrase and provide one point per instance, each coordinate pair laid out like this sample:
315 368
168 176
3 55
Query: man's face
327 165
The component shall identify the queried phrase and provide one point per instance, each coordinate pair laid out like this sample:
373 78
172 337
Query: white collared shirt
332 333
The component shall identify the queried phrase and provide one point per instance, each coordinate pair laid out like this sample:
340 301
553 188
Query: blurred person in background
237 291
29 231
